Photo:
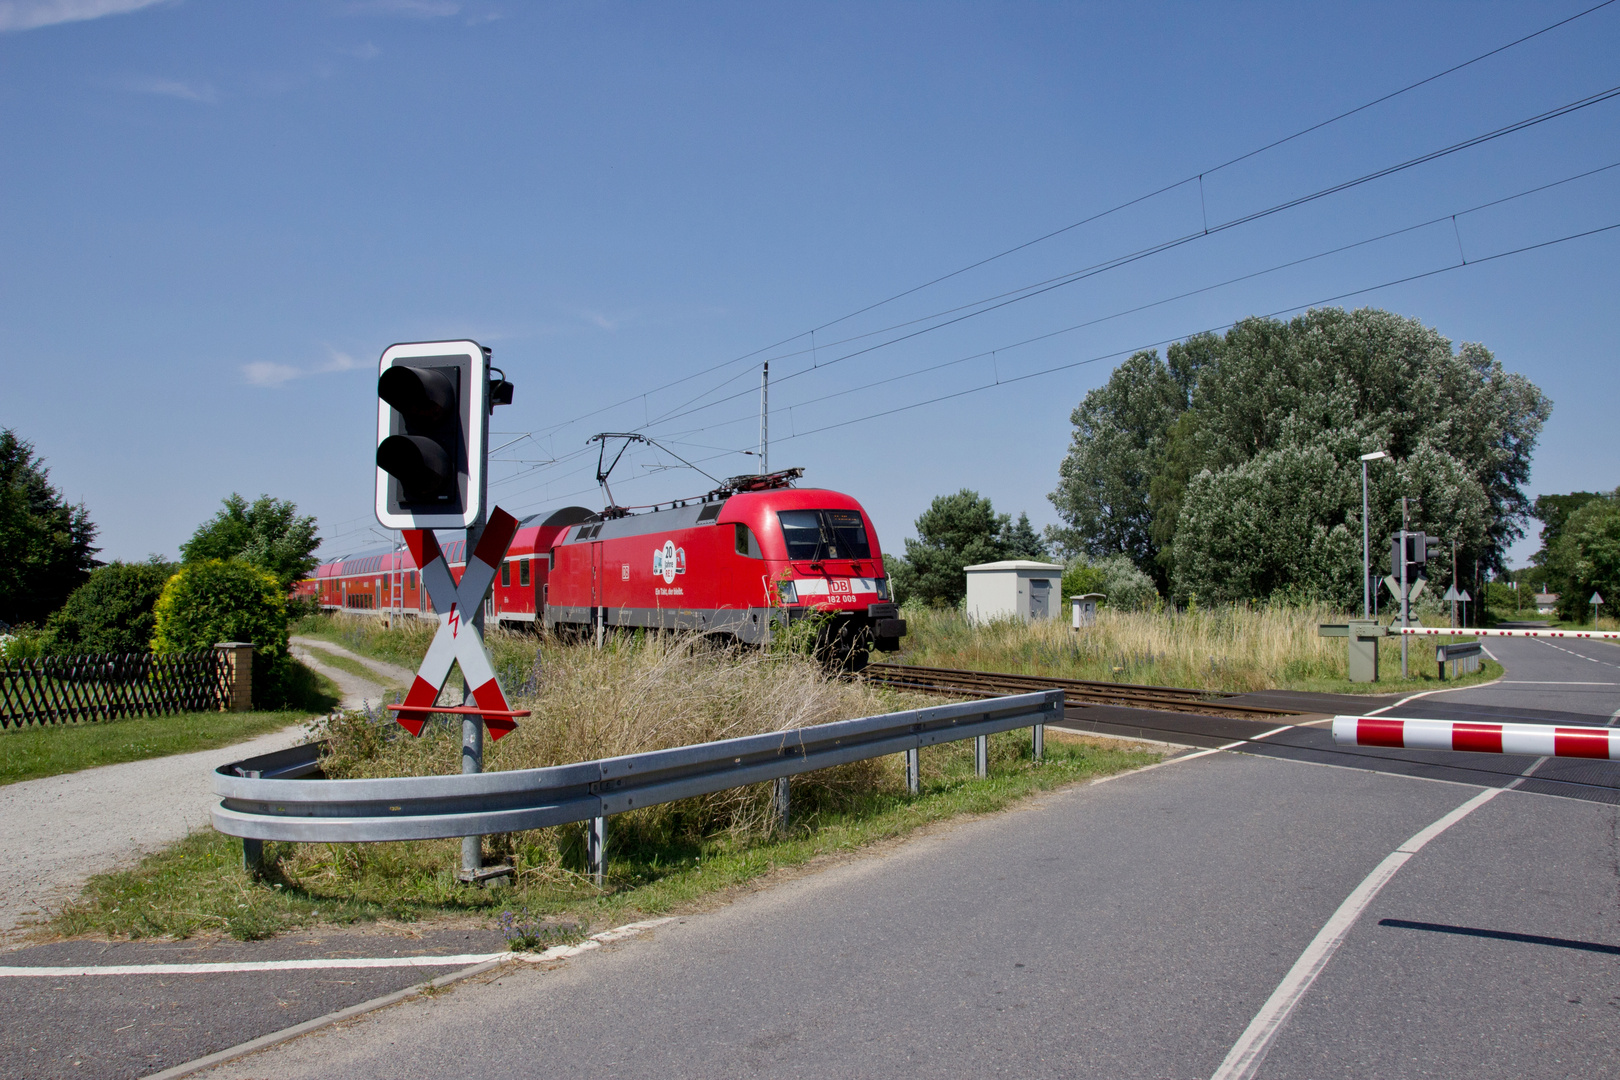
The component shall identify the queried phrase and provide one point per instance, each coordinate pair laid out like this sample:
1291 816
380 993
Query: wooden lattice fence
108 686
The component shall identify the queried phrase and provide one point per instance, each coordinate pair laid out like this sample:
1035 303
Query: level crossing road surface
1132 928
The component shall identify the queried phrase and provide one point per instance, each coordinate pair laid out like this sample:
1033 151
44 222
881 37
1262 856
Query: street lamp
1366 537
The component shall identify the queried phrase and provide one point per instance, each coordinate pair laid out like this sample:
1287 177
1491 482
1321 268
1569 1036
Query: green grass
31 753
199 885
1420 664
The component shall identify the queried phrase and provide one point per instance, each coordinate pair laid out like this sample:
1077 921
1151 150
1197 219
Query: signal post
434 399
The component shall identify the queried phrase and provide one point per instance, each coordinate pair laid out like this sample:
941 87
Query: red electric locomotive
749 558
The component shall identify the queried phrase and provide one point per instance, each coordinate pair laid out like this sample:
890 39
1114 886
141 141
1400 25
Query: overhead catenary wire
1054 369
1050 284
1099 215
1000 381
1179 337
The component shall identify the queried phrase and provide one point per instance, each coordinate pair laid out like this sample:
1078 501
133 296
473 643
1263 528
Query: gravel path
391 675
60 830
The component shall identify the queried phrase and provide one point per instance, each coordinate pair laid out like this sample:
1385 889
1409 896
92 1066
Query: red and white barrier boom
1536 740
1440 631
458 639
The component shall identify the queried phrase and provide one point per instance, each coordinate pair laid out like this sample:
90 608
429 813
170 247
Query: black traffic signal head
432 434
424 457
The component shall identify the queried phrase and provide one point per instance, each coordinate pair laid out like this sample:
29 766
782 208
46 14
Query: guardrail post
981 756
1037 741
596 849
781 802
252 856
914 771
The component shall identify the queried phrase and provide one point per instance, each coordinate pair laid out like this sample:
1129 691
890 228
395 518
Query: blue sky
215 216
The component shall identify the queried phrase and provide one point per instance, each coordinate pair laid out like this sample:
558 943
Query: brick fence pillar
236 676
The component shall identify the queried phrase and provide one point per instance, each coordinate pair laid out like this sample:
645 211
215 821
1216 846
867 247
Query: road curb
264 1042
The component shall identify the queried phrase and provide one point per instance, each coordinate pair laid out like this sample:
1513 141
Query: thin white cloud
339 361
265 373
199 91
271 374
32 14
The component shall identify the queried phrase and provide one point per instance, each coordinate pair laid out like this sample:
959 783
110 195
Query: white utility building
1016 588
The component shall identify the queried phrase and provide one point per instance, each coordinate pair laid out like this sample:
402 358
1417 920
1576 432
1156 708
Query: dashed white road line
1252 1046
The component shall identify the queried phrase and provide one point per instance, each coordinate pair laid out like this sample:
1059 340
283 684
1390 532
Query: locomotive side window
410 580
825 534
506 573
746 542
523 571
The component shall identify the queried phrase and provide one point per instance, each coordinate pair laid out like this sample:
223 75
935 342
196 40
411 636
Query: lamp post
1366 540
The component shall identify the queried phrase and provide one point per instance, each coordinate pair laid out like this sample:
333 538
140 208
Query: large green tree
1585 557
1269 419
268 534
1120 431
956 531
46 545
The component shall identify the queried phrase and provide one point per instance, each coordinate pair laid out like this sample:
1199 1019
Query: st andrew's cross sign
458 639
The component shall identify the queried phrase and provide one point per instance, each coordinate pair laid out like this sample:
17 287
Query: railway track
957 683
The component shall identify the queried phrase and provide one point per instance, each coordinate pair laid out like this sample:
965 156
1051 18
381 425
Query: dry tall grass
1230 648
637 694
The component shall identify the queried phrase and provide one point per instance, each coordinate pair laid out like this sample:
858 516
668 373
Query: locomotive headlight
787 592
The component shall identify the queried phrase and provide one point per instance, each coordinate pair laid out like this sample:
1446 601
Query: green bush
1123 586
22 643
111 612
228 600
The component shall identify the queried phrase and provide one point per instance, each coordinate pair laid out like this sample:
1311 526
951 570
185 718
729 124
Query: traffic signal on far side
432 434
1417 550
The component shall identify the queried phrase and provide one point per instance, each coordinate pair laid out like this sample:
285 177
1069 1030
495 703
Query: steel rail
278 797
1132 695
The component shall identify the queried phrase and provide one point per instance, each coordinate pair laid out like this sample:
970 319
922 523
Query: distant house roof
1016 564
1546 598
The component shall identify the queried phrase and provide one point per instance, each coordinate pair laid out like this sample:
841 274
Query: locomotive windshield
825 534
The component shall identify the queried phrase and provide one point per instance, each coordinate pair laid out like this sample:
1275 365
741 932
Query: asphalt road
1132 928
126 1026
1127 929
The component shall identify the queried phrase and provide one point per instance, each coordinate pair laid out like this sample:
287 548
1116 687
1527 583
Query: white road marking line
1553 682
264 1042
556 952
1252 1046
229 968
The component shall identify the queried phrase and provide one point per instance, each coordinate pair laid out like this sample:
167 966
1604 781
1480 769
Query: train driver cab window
825 534
747 544
523 572
506 573
551 559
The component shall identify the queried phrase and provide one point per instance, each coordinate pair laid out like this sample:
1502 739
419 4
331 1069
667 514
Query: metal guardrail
273 797
1461 655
